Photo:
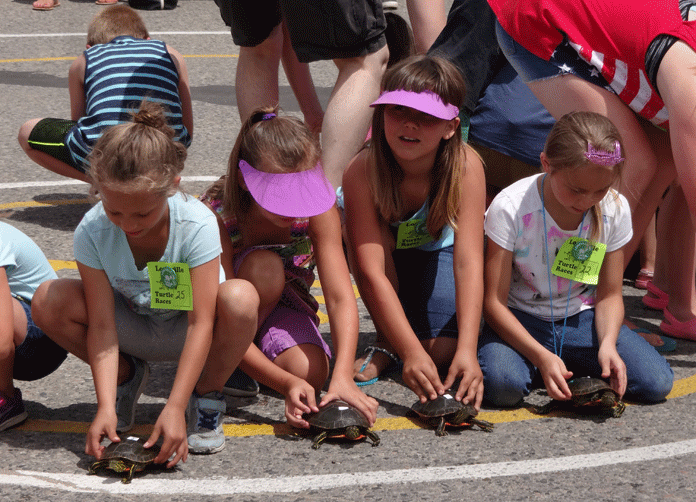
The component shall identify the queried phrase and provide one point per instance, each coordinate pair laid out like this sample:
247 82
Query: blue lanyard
558 351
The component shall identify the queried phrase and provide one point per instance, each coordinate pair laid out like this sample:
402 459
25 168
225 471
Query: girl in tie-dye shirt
553 275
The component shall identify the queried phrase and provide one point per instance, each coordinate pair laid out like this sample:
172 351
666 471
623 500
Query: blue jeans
426 291
507 375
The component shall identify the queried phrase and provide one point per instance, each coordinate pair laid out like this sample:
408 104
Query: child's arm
299 394
102 352
468 281
609 314
325 233
76 86
372 269
498 270
184 90
171 423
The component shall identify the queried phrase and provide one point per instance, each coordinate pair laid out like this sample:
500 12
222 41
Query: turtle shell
132 450
441 406
127 456
588 385
337 415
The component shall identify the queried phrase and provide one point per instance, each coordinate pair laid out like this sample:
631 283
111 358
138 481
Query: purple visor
293 195
426 102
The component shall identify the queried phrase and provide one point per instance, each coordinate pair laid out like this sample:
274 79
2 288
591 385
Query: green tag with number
170 286
412 234
579 260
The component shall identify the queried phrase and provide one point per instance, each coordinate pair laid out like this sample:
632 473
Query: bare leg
45 160
428 18
648 248
256 80
302 85
348 114
235 327
306 361
679 267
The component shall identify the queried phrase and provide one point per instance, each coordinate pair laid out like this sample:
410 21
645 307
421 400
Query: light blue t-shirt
194 239
24 262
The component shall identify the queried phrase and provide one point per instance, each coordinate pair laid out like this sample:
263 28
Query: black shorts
319 29
48 136
38 355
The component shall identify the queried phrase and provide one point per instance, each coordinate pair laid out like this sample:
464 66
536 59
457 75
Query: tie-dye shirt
515 222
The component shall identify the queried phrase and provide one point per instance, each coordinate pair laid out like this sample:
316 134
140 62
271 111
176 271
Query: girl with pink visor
414 207
279 218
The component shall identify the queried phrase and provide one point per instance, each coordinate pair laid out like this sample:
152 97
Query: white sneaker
390 4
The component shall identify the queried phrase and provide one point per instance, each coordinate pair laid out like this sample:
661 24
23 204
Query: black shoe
239 384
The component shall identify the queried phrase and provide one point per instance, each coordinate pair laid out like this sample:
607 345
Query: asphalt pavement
646 454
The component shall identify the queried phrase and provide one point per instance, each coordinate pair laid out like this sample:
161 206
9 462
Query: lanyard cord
558 351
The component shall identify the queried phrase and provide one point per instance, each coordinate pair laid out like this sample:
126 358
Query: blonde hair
418 74
570 140
281 142
140 155
113 22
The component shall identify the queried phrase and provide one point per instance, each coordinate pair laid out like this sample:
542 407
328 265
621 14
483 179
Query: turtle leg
440 431
96 465
618 410
486 426
373 437
129 475
319 439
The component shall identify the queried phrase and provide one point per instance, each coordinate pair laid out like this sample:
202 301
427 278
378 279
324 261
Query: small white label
447 396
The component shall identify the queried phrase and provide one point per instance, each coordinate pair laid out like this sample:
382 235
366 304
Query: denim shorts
426 291
37 356
564 61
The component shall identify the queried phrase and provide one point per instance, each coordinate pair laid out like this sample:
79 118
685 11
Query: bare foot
378 357
45 4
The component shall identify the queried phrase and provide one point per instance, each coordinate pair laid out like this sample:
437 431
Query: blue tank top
118 76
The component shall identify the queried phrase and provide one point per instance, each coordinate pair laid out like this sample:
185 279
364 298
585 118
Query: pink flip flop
658 301
677 329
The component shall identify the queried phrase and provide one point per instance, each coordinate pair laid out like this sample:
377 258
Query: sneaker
239 384
390 4
128 393
204 418
12 410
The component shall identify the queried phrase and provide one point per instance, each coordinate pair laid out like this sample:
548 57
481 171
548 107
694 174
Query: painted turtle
591 395
128 456
338 419
446 410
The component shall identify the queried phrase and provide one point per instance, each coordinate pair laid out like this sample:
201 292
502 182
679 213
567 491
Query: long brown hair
569 141
418 74
281 142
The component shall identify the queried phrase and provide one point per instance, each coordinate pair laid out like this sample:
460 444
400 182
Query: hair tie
602 157
268 116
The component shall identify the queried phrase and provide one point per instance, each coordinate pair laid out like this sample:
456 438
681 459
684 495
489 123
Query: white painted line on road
32 184
44 35
297 484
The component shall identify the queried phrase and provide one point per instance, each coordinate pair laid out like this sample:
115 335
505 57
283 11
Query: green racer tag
412 234
170 286
579 260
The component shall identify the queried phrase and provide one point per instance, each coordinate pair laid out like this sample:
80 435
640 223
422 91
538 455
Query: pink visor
426 102
293 195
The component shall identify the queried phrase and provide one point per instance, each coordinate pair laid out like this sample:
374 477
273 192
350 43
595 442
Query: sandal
678 329
45 4
658 301
643 278
106 2
370 351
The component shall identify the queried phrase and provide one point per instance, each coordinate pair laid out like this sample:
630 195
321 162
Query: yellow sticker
170 286
579 260
412 234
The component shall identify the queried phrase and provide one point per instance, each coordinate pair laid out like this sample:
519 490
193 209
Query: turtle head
353 432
